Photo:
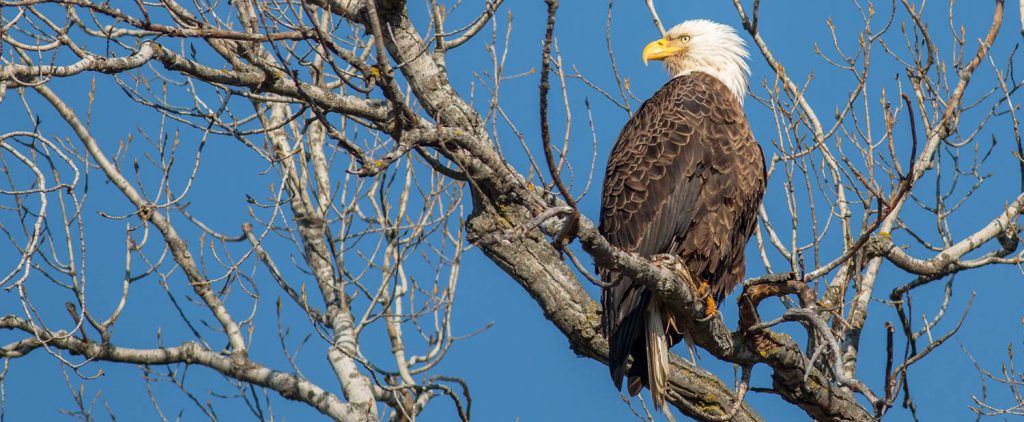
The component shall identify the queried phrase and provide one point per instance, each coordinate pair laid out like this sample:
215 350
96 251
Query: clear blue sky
522 368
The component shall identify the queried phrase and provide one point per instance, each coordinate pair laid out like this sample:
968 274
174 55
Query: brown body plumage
685 177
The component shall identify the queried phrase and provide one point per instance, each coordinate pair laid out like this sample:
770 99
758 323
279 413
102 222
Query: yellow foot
710 307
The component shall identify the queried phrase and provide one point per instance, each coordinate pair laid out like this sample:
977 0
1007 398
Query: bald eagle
685 177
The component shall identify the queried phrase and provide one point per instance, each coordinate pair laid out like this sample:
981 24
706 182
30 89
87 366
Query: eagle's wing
673 186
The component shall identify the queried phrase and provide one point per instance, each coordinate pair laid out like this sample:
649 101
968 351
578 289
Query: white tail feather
657 354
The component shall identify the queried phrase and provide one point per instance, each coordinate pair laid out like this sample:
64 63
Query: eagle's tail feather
634 384
692 347
657 354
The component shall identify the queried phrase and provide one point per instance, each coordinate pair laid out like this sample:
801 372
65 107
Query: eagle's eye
684 38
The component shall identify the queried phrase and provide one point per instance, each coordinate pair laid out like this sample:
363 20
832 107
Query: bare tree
357 152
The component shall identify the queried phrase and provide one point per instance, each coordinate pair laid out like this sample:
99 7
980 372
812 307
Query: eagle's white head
701 45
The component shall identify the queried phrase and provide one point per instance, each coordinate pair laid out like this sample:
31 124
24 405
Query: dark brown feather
685 177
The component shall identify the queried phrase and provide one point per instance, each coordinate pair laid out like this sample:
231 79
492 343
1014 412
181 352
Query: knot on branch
190 351
879 245
146 212
1009 238
240 362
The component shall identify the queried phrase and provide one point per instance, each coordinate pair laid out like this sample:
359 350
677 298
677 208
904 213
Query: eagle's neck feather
724 59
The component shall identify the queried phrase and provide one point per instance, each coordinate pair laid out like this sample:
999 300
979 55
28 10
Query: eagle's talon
707 318
711 308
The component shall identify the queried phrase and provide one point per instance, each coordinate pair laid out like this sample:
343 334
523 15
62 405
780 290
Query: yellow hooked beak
660 49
